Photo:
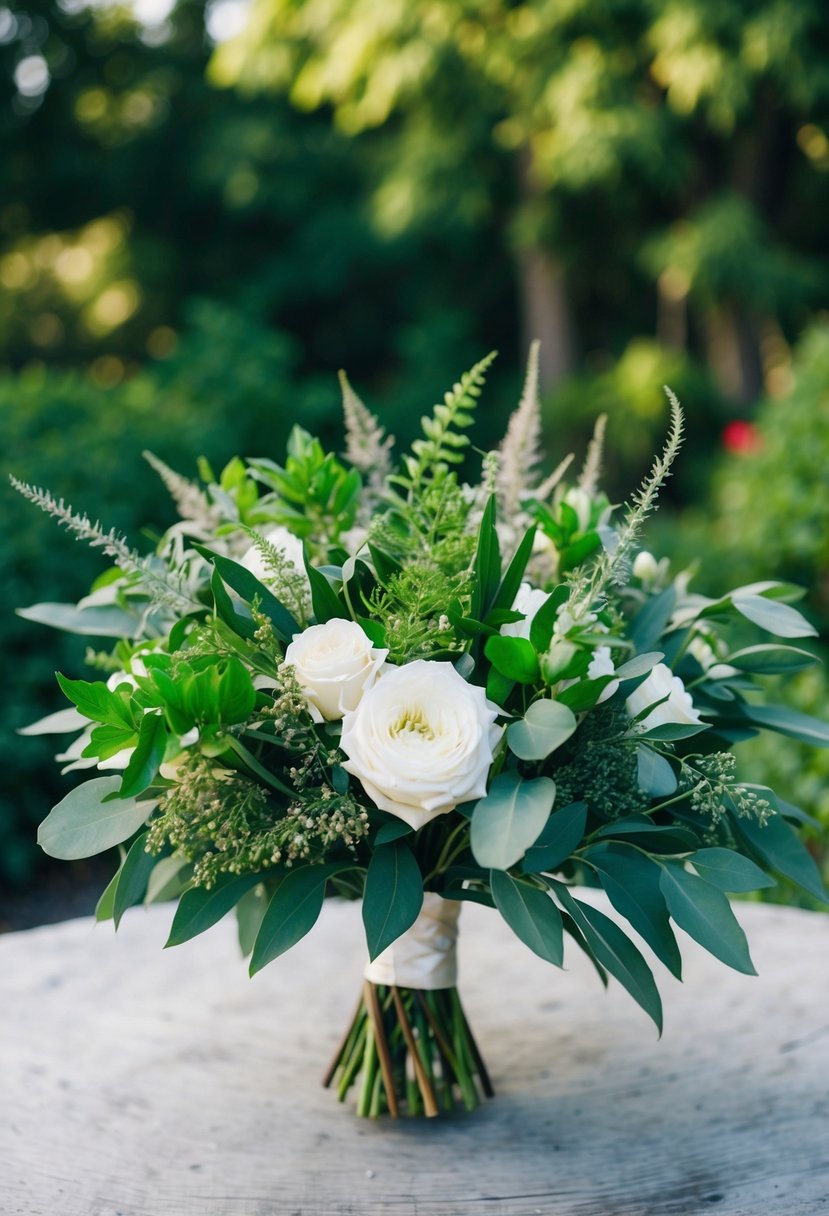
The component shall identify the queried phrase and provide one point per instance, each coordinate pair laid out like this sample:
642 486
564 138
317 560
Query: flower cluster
378 680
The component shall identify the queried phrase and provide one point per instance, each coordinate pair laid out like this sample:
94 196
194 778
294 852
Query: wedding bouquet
379 682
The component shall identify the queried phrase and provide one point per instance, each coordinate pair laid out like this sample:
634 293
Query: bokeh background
207 209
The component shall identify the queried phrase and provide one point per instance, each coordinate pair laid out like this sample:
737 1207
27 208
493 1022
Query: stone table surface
136 1081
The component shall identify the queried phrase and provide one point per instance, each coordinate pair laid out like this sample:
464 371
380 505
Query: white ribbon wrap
425 956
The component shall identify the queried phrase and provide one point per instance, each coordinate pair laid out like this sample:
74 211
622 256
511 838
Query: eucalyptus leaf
791 722
146 760
655 774
779 846
769 659
171 876
199 908
531 914
631 883
87 822
250 912
393 895
545 726
102 621
132 878
773 616
639 665
730 871
562 834
705 914
509 819
292 912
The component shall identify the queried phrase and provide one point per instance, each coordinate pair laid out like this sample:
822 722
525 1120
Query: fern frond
589 476
444 443
519 453
191 501
367 446
161 586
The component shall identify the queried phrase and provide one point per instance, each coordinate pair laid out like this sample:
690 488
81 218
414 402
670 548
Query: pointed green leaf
785 721
84 823
783 851
98 620
393 895
509 819
561 836
515 572
104 906
514 658
729 871
199 909
545 726
292 912
387 832
543 623
614 951
773 616
132 878
250 912
639 665
531 914
652 619
487 567
631 883
146 760
769 659
249 587
324 600
704 912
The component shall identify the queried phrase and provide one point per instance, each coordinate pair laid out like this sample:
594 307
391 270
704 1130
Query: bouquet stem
412 1052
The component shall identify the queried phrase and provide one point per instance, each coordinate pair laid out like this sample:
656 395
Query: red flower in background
741 437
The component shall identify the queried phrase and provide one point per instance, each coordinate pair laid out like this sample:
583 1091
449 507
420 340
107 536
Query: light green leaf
393 895
545 726
531 914
509 819
170 877
639 665
62 722
729 871
704 912
83 823
250 912
562 834
104 906
775 617
199 909
100 621
514 658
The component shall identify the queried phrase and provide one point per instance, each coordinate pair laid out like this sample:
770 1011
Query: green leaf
498 687
199 909
531 914
773 616
657 837
170 877
393 895
94 700
652 619
783 851
639 665
132 878
85 823
250 912
387 832
514 658
615 951
545 726
249 588
487 568
245 626
511 581
104 906
292 912
705 913
791 722
324 600
100 621
631 883
543 623
729 871
670 732
584 695
655 774
561 836
509 819
146 760
769 659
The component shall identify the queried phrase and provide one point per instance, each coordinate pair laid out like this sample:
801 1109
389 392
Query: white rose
527 600
282 539
335 663
421 741
660 684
